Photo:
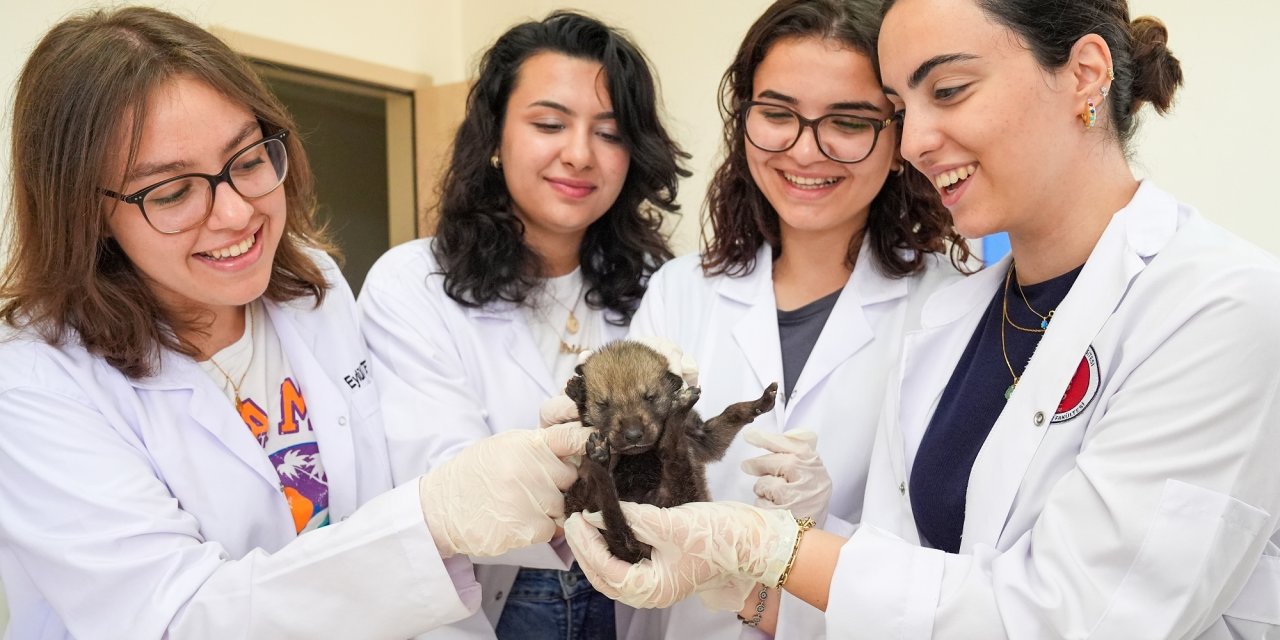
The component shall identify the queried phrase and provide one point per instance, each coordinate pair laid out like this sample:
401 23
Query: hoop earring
1090 115
495 161
900 170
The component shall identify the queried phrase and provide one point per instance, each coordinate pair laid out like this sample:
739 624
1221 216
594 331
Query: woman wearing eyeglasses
824 246
192 444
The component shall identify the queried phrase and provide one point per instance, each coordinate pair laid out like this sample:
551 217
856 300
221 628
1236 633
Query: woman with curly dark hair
549 231
826 244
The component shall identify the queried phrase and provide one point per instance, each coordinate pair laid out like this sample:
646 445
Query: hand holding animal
649 445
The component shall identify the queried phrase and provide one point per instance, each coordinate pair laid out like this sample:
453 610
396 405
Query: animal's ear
576 389
674 382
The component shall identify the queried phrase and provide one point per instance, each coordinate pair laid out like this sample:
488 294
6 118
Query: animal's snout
632 430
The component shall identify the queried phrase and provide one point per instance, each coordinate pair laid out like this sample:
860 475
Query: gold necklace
1044 320
571 324
571 321
235 386
1003 349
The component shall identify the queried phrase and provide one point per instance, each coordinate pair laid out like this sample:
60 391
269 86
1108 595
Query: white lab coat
142 508
1143 516
730 326
454 375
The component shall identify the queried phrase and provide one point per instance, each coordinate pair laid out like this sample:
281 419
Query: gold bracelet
804 524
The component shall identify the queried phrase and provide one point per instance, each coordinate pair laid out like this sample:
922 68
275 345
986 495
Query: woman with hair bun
549 229
1081 441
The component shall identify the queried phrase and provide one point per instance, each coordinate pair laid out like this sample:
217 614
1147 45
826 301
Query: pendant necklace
235 386
571 324
1003 349
1044 319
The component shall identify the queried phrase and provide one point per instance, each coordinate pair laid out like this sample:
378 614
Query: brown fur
649 445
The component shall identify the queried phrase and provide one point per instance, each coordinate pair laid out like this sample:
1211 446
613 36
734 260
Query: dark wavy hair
907 213
84 90
479 241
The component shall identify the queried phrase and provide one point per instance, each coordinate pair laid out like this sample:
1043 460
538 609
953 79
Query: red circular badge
1083 387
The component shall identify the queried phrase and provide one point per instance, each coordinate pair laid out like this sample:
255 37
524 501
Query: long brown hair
907 219
83 89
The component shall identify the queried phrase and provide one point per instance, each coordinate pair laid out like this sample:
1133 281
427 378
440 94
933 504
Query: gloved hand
717 549
793 476
503 492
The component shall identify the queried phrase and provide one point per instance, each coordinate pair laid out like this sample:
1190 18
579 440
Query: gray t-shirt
798 331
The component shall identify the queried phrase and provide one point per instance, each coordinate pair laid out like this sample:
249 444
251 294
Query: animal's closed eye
602 405
651 396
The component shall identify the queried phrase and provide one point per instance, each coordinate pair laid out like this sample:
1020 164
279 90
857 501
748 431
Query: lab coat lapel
212 410
1135 232
848 328
756 331
504 322
328 409
930 354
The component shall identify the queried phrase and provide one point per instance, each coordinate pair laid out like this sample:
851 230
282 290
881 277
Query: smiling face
191 128
983 120
810 192
563 159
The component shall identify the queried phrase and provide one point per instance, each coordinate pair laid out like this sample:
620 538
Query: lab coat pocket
365 403
1259 601
1197 539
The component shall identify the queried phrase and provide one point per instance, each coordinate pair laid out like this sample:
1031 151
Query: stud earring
495 161
1090 116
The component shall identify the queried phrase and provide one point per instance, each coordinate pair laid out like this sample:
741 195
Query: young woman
825 246
549 229
1081 441
192 443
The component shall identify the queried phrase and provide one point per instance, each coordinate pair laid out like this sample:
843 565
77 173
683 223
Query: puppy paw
766 401
598 448
687 398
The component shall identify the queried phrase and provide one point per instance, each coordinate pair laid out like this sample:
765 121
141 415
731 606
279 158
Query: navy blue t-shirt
970 404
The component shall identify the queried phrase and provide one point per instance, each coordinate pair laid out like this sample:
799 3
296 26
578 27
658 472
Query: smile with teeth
232 251
810 183
949 179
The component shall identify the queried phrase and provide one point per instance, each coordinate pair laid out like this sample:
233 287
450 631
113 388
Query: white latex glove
717 549
557 410
503 492
792 476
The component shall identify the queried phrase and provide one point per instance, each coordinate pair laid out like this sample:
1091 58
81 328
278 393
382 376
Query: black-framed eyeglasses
186 201
844 138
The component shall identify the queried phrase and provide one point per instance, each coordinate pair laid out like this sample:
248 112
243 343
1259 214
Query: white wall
1215 151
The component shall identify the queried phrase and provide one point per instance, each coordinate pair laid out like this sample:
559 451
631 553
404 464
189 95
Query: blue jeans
545 604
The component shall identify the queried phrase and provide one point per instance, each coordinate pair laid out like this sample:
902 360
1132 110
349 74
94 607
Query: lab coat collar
867 279
847 329
517 340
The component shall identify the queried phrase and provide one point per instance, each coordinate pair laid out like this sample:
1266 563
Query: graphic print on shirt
292 449
1082 388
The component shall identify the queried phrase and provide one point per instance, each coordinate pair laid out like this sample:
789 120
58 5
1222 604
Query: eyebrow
551 104
148 169
929 65
856 105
